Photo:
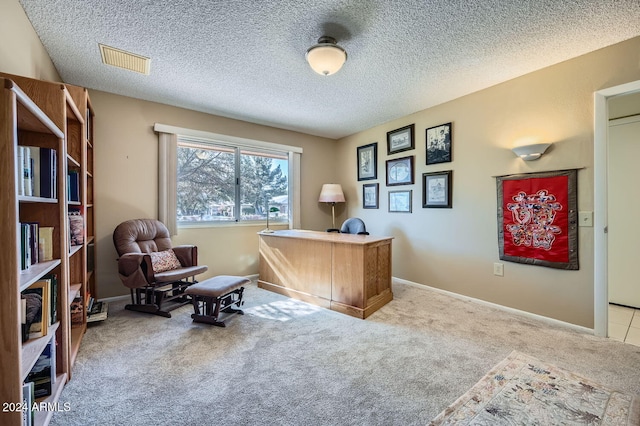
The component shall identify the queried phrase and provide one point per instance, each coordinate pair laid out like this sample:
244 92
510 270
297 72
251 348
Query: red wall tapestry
537 219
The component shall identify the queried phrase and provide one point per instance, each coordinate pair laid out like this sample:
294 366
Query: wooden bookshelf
56 117
23 122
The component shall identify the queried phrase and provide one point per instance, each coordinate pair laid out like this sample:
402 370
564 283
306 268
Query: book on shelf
45 243
76 226
34 153
43 373
89 302
73 185
27 187
29 244
27 401
48 173
98 312
24 330
77 310
90 257
20 171
37 308
34 238
53 297
39 167
25 246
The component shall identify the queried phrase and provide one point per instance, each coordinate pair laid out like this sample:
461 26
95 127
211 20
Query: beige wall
454 249
21 51
126 161
126 179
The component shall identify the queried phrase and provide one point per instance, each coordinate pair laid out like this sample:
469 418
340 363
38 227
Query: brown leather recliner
147 267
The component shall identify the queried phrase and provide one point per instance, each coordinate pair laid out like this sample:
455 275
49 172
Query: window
225 183
221 170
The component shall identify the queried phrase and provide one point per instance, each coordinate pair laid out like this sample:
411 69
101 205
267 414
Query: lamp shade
326 57
531 152
331 193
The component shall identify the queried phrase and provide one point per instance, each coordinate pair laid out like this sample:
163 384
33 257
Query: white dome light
326 57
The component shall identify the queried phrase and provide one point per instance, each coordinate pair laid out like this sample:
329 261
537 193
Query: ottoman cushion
216 286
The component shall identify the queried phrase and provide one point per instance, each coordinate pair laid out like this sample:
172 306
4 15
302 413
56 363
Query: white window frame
167 174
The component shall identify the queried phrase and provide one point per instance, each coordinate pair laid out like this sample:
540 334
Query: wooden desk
347 273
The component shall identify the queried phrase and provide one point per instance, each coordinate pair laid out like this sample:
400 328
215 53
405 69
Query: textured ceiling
245 59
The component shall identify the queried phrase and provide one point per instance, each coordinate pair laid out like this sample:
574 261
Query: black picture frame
438 144
400 201
368 161
370 195
401 139
400 171
437 189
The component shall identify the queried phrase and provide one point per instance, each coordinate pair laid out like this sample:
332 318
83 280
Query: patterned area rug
522 390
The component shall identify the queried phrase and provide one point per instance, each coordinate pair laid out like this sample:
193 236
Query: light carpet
522 390
286 362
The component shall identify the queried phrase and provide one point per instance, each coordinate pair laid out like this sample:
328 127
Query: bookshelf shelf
74 289
72 161
29 116
36 271
26 199
32 348
74 250
76 338
44 417
32 114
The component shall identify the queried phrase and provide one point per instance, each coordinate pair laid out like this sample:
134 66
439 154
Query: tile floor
624 324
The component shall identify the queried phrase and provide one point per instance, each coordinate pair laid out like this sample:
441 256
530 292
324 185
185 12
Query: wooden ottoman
216 295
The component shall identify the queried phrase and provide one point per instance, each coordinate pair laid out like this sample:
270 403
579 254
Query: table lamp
332 193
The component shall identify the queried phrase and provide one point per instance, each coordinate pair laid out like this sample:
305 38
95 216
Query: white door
624 211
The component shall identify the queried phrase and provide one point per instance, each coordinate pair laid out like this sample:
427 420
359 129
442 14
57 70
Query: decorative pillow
162 261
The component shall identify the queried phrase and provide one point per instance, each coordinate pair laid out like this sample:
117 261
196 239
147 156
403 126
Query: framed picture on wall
370 196
400 171
368 161
439 144
401 139
537 217
436 189
400 201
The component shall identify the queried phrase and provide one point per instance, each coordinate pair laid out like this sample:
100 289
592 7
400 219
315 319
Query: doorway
623 206
601 146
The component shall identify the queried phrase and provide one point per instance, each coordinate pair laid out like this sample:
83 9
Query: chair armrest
129 263
134 269
186 254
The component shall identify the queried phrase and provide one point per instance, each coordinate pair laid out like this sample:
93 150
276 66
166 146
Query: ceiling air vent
125 60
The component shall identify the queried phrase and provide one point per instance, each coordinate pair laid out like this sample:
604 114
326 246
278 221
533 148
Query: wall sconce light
326 57
332 193
531 152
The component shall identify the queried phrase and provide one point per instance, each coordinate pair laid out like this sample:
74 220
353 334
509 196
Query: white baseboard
114 298
552 321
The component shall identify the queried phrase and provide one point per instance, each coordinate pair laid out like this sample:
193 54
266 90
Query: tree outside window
222 183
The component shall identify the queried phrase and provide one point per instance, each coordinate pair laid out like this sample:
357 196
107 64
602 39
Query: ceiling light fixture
326 57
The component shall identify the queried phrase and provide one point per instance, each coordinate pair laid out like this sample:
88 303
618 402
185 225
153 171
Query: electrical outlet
498 269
